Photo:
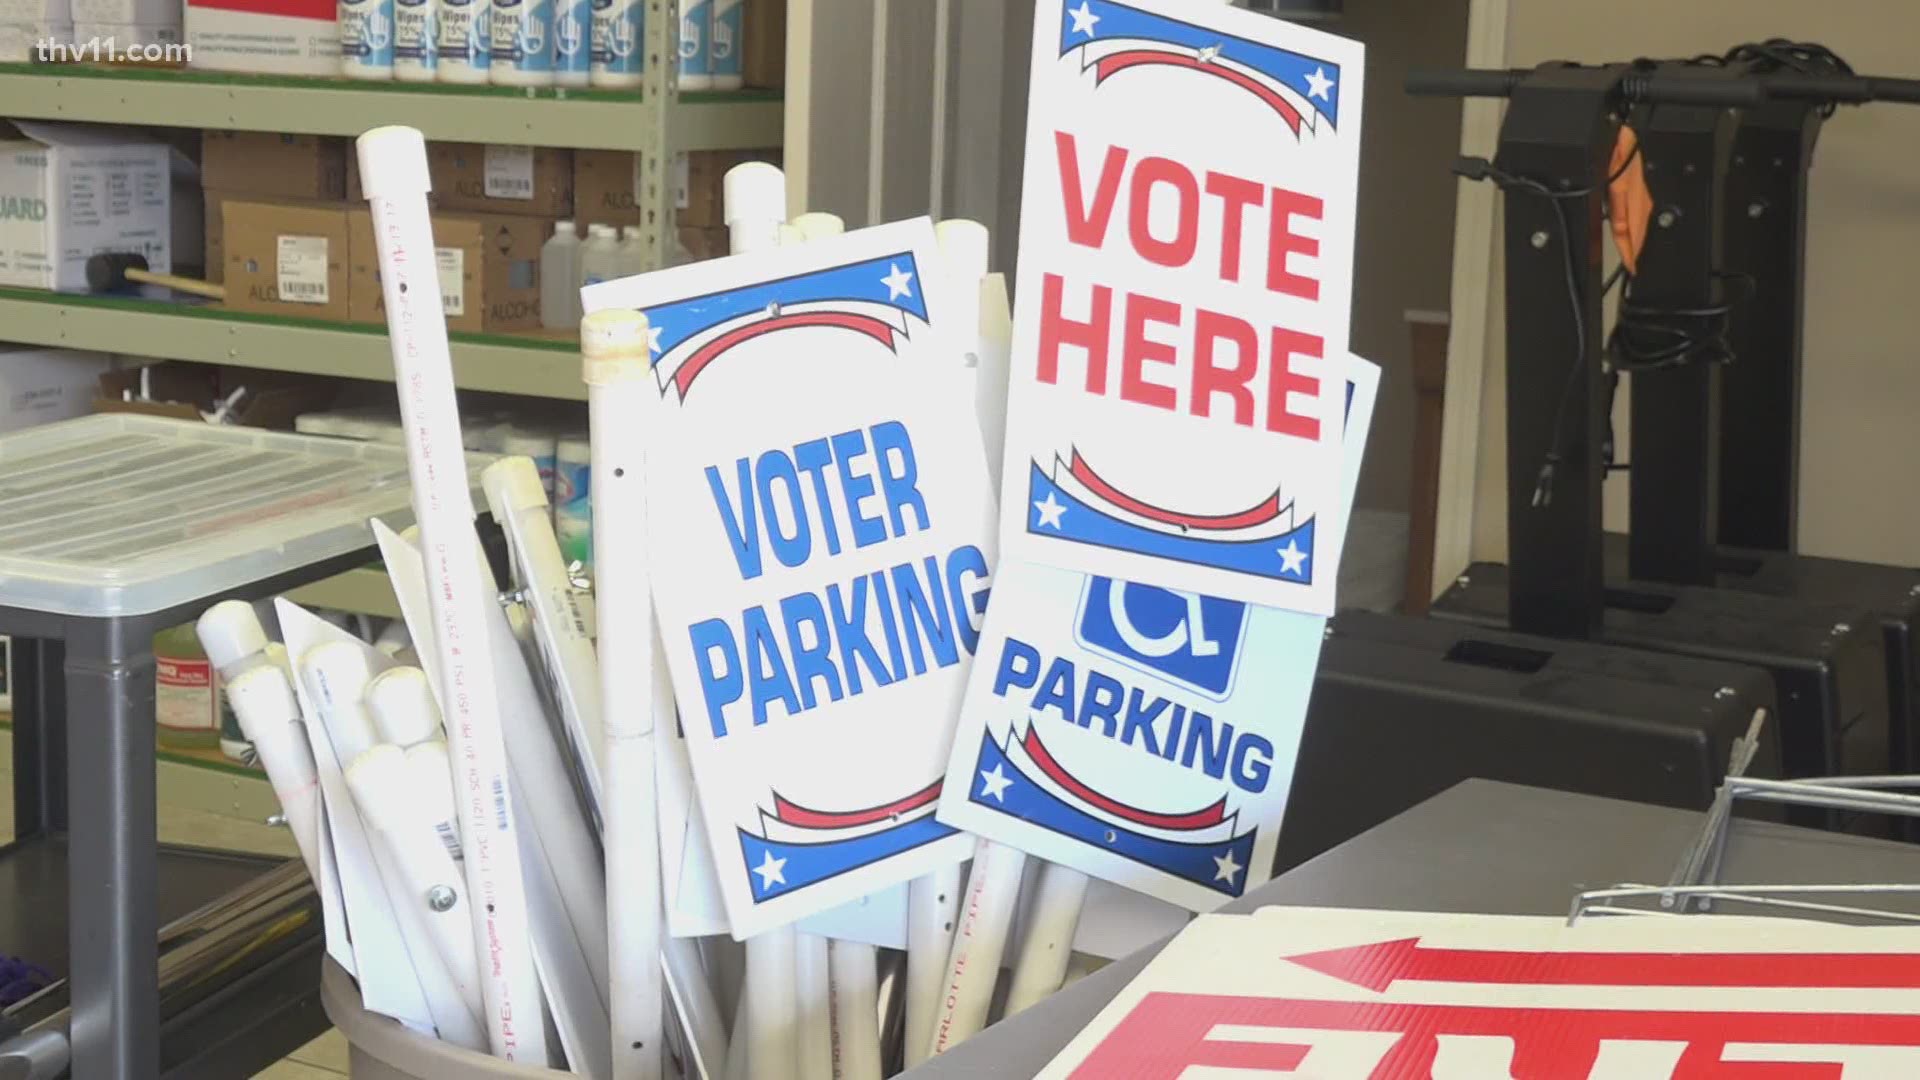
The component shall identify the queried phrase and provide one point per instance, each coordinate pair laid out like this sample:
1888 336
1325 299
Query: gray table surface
1478 847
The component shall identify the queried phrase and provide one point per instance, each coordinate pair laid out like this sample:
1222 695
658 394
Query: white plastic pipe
699 1010
383 789
813 989
401 703
432 773
979 943
336 676
856 1011
737 1044
618 371
1040 967
264 704
393 171
771 1004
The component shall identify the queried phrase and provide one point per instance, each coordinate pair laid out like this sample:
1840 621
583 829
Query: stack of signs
1382 995
1176 481
821 523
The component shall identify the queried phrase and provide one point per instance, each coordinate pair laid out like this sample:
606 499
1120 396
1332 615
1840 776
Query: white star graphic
1206 55
1292 559
994 783
1228 869
897 281
653 338
772 871
1050 511
1318 84
1083 19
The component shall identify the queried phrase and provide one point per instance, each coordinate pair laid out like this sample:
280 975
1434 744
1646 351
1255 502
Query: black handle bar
1672 86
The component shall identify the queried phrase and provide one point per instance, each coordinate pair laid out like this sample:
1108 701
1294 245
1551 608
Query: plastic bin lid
119 514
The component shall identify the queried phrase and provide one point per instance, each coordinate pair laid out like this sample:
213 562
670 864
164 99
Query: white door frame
1476 234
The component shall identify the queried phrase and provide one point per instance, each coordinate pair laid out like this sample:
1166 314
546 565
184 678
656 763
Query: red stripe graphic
1114 63
1379 965
794 814
1198 819
874 328
1267 510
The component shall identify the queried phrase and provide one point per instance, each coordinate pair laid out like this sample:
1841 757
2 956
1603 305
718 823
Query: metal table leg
39 738
113 922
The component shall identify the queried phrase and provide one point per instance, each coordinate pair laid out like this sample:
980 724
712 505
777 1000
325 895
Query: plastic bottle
416 49
572 498
696 27
572 42
366 39
724 46
465 31
617 58
186 708
633 254
559 281
522 43
600 256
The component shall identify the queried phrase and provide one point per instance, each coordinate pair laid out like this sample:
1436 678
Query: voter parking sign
821 527
1186 251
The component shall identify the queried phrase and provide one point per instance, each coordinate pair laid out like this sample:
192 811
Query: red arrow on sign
1379 965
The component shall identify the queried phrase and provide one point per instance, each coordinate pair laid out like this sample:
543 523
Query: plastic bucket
381 1048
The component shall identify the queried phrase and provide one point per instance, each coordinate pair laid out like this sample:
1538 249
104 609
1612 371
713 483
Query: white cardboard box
68 192
20 41
15 12
275 37
39 386
128 12
118 37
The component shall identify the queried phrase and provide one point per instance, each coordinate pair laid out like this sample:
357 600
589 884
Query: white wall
1861 398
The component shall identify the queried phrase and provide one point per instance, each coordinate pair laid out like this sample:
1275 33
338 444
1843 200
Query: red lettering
1136 349
1283 381
1282 241
1087 226
1178 251
1210 328
1057 330
1236 195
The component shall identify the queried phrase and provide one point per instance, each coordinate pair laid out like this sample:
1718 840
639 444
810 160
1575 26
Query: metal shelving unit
581 119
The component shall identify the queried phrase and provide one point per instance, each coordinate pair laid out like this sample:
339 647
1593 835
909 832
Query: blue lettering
810 661
742 532
966 560
1101 701
720 684
1056 692
1138 727
1175 722
1252 762
813 457
847 446
767 678
850 628
899 476
1213 761
924 616
889 623
1019 666
790 550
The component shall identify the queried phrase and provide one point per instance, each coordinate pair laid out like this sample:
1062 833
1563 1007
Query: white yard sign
822 531
1388 995
1186 263
1141 735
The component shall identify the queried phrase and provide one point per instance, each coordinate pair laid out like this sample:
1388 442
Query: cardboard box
182 391
121 36
763 60
520 180
274 166
603 185
489 269
36 11
129 12
273 37
286 259
21 42
39 386
704 243
215 236
69 191
699 181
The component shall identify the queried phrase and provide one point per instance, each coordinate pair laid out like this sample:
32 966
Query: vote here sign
1185 270
821 529
1367 995
1145 736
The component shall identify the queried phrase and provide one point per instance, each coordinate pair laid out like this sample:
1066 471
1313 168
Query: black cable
1803 57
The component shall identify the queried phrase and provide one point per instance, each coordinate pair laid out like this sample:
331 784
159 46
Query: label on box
509 172
300 263
452 264
680 182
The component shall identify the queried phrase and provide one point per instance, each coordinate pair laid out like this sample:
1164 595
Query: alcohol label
509 172
300 264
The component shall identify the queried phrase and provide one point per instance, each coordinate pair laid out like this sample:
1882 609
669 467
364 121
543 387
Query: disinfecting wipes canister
366 39
522 43
416 49
616 42
466 45
572 42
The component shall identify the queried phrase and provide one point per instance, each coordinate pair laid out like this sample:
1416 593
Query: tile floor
325 1058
